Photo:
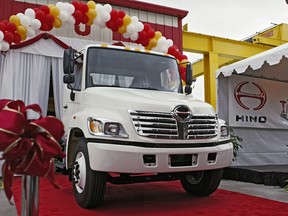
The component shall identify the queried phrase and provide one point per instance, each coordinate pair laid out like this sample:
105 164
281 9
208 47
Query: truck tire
201 183
89 186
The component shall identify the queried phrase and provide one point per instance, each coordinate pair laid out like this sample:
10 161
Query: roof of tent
260 63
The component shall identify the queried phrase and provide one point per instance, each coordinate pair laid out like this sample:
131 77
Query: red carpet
159 198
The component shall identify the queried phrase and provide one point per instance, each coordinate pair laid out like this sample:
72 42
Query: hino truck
129 119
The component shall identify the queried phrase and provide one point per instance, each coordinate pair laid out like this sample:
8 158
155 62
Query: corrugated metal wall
166 24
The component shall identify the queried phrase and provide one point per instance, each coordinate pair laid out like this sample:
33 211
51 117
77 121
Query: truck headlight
104 127
224 130
112 128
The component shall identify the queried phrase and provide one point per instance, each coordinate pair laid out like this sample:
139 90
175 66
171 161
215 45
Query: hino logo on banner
239 94
260 97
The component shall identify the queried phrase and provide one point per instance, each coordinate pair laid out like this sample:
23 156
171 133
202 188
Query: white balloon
1 35
30 32
102 25
131 29
106 17
30 13
60 5
69 8
63 16
19 15
140 26
108 8
5 46
35 24
71 20
134 36
25 21
126 35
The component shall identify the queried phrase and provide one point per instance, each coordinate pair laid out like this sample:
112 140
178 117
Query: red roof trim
147 7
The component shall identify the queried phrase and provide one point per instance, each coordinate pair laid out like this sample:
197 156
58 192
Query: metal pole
30 196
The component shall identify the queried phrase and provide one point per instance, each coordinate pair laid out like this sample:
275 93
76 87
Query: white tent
252 96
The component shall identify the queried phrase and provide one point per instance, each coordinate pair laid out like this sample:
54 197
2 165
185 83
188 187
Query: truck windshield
131 69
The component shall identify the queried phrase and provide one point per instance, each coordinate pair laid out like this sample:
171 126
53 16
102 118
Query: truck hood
144 100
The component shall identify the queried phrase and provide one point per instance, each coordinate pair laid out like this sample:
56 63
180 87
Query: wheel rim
79 172
195 177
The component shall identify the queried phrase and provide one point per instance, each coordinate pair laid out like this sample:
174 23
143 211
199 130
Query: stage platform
267 175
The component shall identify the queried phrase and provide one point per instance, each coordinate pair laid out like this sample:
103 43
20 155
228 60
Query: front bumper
111 157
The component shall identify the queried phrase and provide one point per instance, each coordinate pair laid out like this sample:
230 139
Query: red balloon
84 19
2 27
177 55
44 27
11 27
40 15
145 42
84 8
77 15
142 35
49 19
5 22
8 37
76 5
17 38
119 22
121 14
45 9
172 50
110 24
114 14
49 26
183 73
146 27
151 33
36 9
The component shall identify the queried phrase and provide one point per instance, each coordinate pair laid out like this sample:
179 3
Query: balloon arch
30 23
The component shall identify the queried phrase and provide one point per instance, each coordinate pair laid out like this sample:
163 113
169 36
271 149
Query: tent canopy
260 62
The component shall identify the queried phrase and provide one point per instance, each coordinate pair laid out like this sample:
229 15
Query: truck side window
78 77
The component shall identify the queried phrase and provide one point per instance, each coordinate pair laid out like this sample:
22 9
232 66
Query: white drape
58 85
25 77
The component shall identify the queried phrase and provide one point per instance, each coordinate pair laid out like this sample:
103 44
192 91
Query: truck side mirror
68 60
189 79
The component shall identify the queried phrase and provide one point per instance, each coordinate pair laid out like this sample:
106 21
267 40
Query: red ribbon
28 146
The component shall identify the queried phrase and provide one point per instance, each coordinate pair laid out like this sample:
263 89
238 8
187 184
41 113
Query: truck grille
165 126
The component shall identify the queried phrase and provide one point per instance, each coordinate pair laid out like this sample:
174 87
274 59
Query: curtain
58 85
26 77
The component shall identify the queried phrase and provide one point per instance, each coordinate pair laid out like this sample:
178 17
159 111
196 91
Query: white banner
257 103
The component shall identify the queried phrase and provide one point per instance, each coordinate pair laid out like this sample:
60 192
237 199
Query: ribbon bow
28 146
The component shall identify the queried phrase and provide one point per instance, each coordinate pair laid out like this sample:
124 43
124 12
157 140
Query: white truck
128 119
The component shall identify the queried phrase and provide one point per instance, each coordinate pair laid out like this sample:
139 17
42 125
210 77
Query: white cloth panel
58 85
25 77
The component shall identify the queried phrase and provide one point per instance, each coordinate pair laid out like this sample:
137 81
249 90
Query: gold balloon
91 4
57 23
126 20
54 11
21 30
122 29
153 42
158 35
15 19
91 13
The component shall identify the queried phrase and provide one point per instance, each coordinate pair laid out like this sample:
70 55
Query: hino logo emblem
239 94
182 113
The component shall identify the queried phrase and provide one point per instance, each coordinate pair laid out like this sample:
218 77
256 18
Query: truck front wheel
201 183
89 186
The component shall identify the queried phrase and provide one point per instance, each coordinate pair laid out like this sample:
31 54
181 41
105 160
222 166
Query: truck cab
129 119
